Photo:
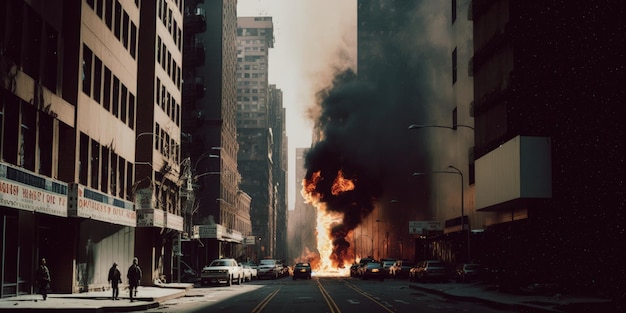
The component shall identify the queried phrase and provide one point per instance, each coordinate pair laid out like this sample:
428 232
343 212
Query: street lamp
460 173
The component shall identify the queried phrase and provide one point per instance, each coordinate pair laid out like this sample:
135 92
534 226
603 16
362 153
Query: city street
320 294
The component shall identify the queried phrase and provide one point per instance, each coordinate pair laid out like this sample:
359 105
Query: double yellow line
329 300
259 307
365 294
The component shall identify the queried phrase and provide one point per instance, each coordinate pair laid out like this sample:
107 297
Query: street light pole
460 173
469 230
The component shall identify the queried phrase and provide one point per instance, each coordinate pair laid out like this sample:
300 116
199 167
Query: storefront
105 234
34 225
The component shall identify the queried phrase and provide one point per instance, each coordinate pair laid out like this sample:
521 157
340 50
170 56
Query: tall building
549 141
302 228
255 36
277 122
158 159
416 54
220 210
71 98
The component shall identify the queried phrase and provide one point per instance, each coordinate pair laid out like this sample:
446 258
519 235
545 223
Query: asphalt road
320 294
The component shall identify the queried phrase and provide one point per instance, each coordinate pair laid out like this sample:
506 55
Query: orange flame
341 184
325 221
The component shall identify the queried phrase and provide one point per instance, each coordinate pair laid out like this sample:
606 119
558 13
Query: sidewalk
95 301
487 294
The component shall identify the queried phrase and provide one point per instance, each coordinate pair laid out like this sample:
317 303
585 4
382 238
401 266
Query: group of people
115 278
133 275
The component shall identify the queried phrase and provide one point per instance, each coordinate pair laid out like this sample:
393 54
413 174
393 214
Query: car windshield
303 265
435 264
219 263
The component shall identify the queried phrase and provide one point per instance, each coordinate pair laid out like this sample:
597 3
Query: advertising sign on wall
24 190
88 203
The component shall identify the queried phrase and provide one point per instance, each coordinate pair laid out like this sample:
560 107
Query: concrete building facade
71 99
219 209
255 36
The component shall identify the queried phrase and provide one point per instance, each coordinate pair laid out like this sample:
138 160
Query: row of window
168 20
164 57
167 102
107 89
102 169
29 43
248 90
118 21
165 144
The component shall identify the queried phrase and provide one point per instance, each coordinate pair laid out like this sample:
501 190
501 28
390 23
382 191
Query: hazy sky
312 38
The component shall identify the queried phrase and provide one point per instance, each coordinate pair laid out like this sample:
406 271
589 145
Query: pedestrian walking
115 277
43 278
134 276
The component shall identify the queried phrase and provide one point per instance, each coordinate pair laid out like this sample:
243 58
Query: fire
341 184
332 261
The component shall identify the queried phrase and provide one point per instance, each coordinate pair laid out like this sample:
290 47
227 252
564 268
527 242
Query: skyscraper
255 36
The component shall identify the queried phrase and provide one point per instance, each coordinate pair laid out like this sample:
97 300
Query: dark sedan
373 270
467 272
354 270
302 270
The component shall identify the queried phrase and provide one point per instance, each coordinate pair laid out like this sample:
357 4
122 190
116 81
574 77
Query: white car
269 268
249 272
222 271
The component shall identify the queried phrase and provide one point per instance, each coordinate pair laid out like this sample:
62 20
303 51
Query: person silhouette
134 277
43 278
115 277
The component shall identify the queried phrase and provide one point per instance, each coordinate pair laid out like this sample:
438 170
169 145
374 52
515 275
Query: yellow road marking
368 296
259 307
329 300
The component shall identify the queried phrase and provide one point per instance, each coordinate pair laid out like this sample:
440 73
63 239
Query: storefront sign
87 203
249 240
418 227
173 221
217 231
150 218
213 231
24 190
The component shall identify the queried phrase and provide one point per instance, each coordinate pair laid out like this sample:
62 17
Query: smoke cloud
362 122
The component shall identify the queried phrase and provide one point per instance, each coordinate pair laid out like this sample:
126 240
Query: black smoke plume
362 125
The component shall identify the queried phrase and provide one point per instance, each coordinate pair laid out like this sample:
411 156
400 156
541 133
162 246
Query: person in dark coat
43 278
134 276
115 277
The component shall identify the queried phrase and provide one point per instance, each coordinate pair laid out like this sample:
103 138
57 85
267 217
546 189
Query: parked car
400 269
222 271
252 268
387 263
354 270
361 266
302 270
269 268
428 270
466 272
373 270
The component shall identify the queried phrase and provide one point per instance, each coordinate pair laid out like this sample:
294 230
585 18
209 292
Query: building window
454 66
87 57
453 11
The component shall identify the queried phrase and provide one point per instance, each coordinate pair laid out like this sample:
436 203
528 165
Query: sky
312 38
